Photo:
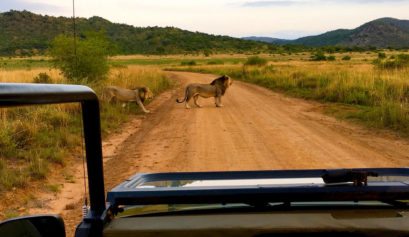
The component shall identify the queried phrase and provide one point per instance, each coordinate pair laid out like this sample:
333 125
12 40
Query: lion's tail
184 99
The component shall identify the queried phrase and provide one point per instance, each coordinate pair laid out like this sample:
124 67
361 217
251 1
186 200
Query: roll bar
19 94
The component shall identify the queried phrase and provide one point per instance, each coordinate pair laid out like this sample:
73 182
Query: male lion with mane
215 89
138 95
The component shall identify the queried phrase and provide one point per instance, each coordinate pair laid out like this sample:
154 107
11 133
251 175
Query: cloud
368 1
364 1
26 5
278 3
270 3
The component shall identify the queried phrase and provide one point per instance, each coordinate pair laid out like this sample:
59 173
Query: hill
23 32
380 33
267 39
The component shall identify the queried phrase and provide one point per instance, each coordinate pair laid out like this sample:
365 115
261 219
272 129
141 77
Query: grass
54 188
36 140
23 63
379 98
256 61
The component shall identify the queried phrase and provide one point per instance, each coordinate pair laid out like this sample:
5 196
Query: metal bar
93 149
18 94
262 174
259 194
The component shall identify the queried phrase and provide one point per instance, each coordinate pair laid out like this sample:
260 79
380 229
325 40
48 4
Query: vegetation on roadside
365 92
256 61
33 140
379 98
86 62
399 61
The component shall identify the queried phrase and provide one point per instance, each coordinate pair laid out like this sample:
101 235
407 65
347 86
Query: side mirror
33 226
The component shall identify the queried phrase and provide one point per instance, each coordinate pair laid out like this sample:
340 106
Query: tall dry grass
33 139
379 98
27 76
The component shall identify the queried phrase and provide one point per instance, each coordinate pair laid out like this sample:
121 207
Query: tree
90 62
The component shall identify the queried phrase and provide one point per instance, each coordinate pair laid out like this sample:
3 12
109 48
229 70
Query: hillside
380 33
23 32
267 39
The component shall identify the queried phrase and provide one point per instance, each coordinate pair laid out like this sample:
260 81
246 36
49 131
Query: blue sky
274 18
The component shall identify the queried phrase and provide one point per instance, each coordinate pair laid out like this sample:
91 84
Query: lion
138 95
217 88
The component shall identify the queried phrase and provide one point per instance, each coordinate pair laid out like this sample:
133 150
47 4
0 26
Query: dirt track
256 129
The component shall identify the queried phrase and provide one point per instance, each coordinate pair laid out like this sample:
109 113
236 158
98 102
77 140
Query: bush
188 63
38 168
7 144
346 58
381 55
42 77
331 58
256 61
207 53
318 56
398 62
215 62
90 62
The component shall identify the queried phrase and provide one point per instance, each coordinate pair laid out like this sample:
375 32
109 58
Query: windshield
207 86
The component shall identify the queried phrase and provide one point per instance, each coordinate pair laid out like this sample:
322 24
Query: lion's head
144 93
224 82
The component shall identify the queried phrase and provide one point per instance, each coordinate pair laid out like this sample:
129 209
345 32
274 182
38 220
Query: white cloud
276 18
281 3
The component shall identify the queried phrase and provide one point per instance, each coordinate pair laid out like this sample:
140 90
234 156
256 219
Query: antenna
85 206
75 38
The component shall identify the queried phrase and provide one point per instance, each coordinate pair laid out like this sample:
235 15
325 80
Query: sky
238 18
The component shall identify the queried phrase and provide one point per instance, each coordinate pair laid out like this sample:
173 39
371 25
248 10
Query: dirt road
255 130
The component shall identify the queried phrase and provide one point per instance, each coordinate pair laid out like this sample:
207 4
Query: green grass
36 139
23 63
176 61
379 97
256 61
54 188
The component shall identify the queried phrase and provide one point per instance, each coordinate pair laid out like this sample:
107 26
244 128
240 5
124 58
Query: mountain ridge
381 33
25 33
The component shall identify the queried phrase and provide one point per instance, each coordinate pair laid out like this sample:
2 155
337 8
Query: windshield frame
127 194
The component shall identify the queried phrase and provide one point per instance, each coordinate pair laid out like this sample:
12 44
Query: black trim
127 194
18 94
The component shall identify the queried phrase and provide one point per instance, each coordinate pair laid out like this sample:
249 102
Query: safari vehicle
350 202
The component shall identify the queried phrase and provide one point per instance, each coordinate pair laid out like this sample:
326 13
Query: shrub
7 144
318 56
215 62
207 53
42 77
398 62
88 64
188 63
346 58
381 55
331 58
38 168
256 61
